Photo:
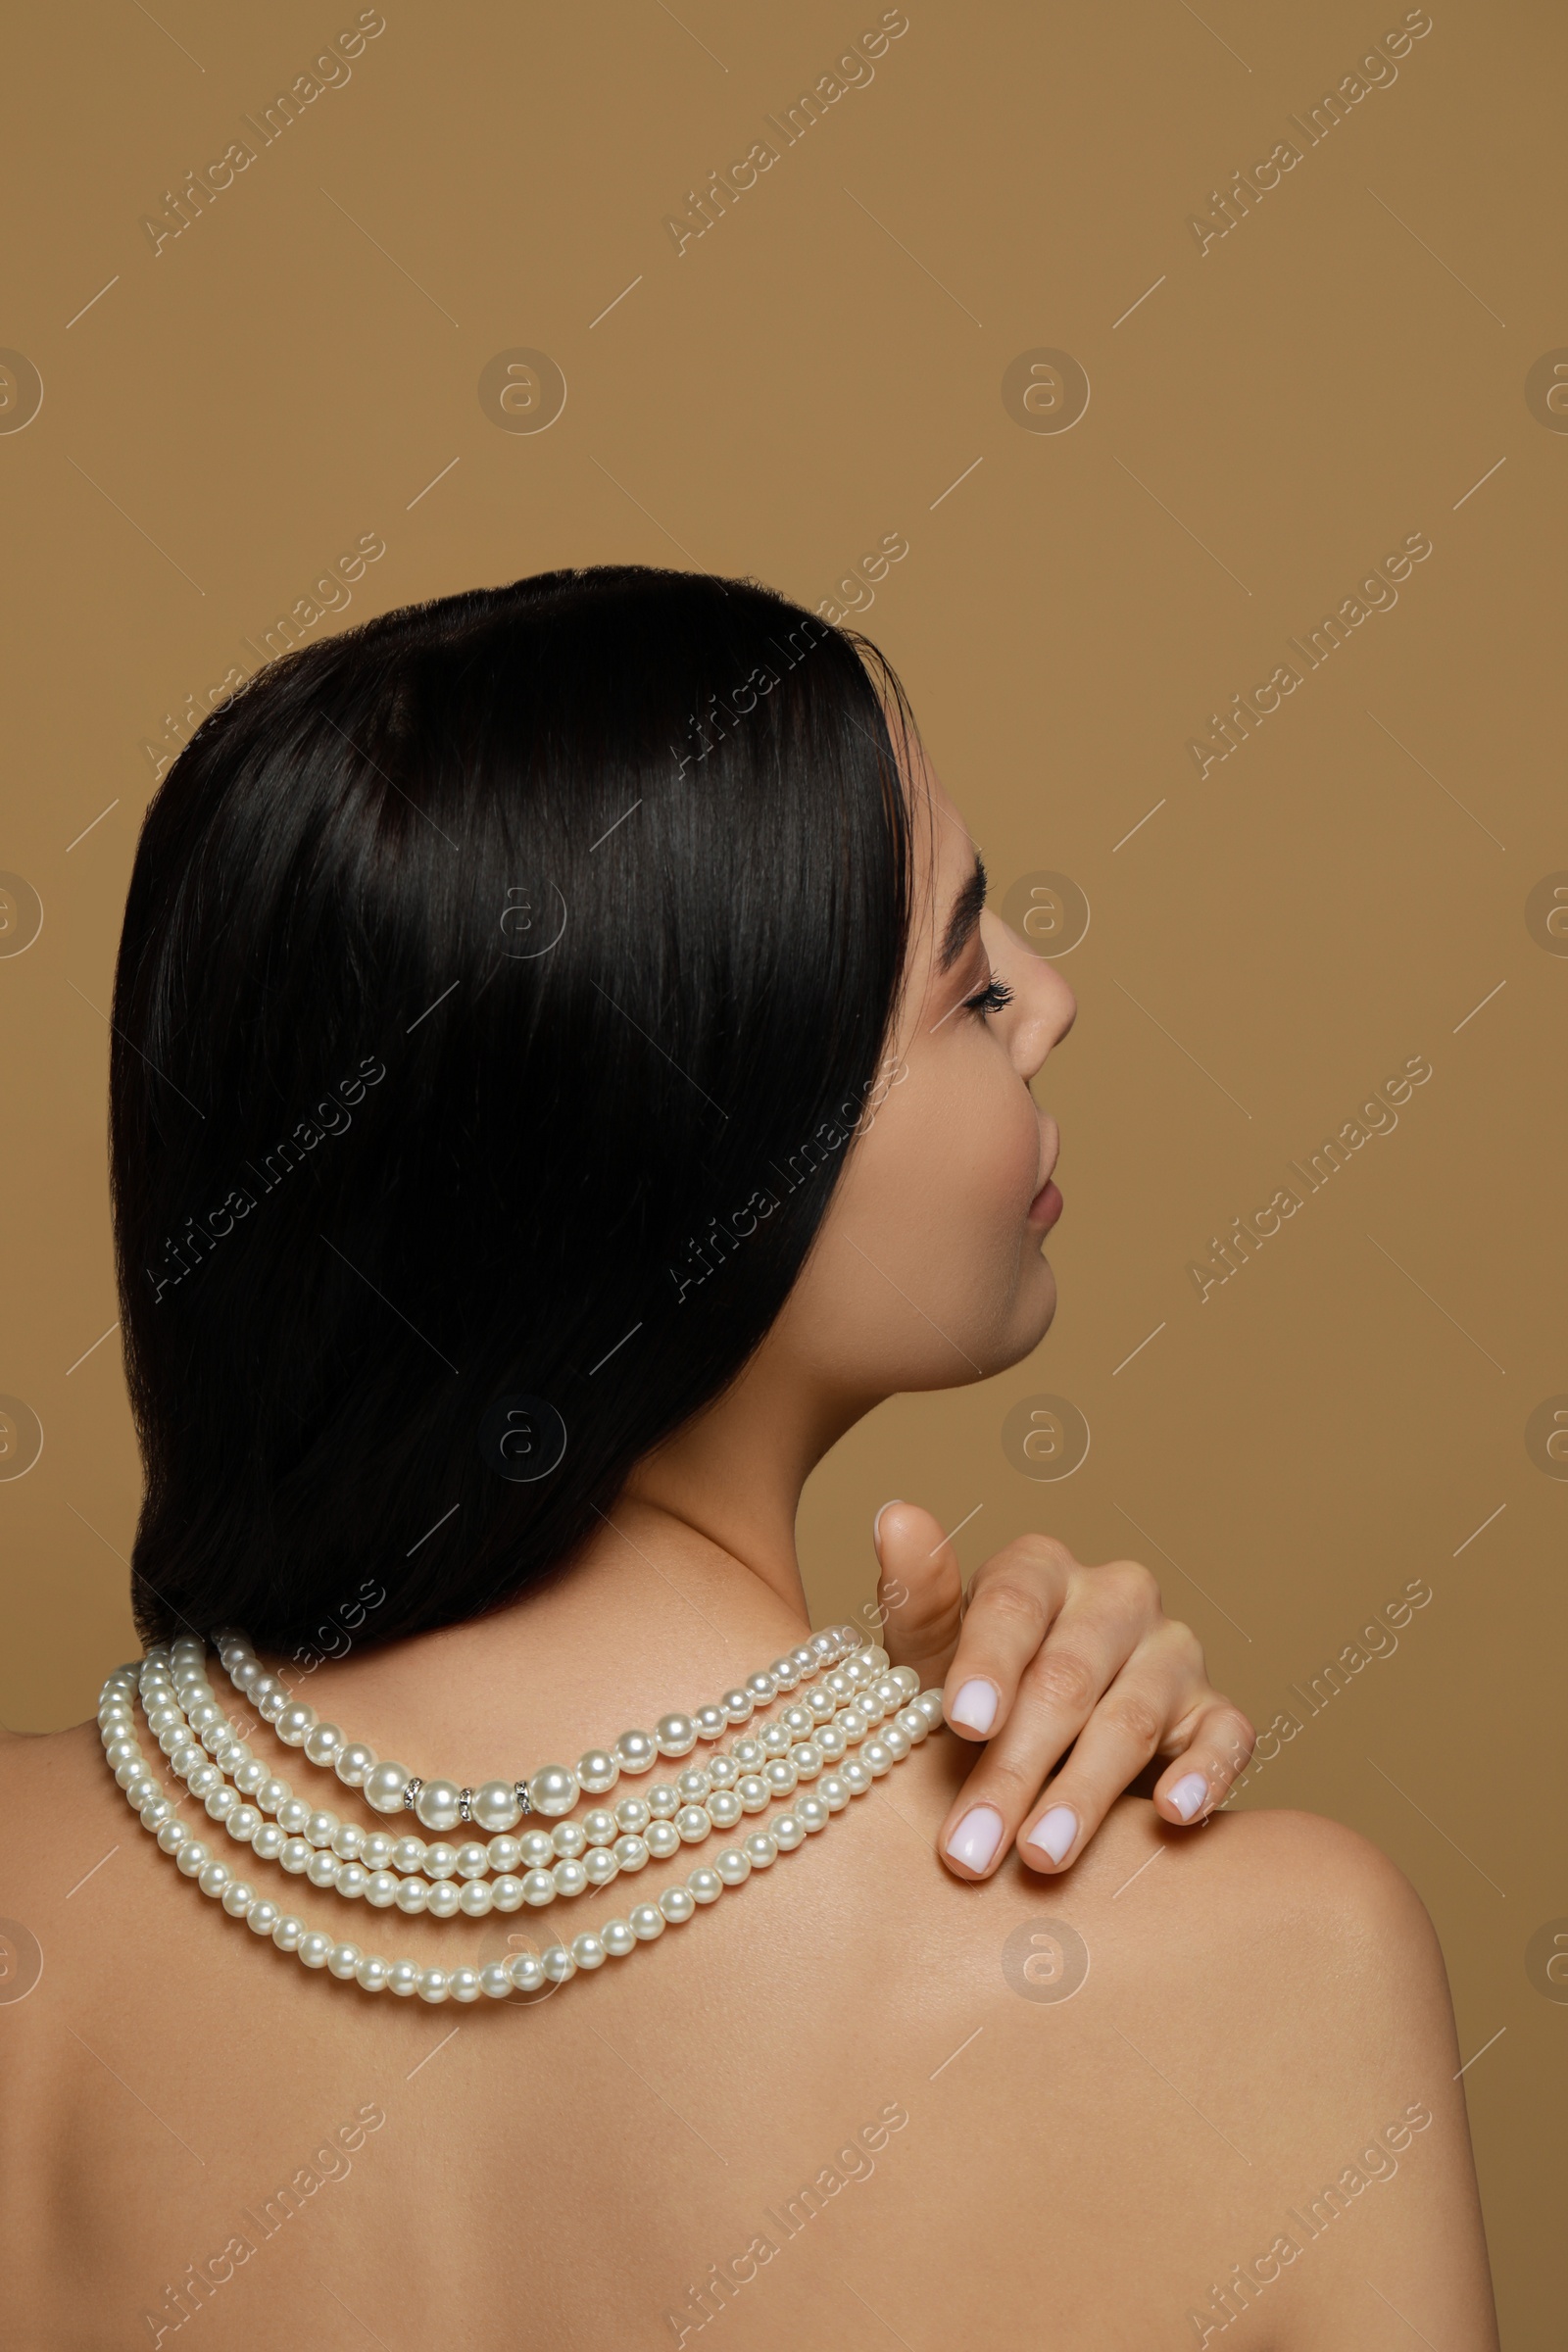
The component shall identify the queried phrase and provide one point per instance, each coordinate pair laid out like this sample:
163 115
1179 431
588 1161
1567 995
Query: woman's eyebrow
964 916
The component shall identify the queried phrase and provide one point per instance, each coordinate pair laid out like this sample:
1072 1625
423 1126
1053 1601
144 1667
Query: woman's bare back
1196 2076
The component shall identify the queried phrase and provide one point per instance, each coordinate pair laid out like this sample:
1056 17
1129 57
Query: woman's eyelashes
990 999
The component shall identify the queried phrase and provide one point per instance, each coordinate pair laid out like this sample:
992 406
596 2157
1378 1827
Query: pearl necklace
440 1804
184 1729
218 1768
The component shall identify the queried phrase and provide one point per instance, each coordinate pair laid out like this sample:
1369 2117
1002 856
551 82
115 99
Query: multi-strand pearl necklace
856 1702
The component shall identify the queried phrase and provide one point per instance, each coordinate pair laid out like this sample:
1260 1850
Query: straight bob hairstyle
501 985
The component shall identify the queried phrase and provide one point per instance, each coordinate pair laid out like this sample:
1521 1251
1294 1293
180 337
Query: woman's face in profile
928 1271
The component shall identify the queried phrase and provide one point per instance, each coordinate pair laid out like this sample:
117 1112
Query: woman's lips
1046 1206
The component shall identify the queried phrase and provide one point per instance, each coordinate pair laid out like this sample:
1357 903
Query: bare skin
1021 2103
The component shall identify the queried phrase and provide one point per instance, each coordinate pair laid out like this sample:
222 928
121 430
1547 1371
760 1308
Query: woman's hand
1040 1655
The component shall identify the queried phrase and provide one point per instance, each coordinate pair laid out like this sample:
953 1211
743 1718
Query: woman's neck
690 1584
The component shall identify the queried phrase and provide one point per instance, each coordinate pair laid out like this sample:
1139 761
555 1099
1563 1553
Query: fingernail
976 1837
876 1524
1054 1832
975 1705
1189 1794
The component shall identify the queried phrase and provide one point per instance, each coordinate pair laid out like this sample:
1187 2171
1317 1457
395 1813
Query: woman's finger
919 1589
1215 1756
1015 1598
1057 1694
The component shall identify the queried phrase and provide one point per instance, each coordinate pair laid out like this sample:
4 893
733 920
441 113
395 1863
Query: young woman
565 1074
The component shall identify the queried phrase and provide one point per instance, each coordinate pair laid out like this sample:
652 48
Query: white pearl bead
321 1870
220 1802
412 1896
662 1839
379 1848
761 1849
322 1828
647 1923
476 1897
812 1814
692 1824
251 1776
292 1724
785 1673
193 1857
786 1833
272 1794
269 1842
618 1938
597 1772
554 1960
705 1885
663 1800
343 1961
538 1888
636 1752
381 1889
294 1856
493 1805
723 1808
833 1791
322 1744
630 1853
213 1878
760 1687
287 1933
876 1757
440 1860
571 1878
738 1704
600 1865
676 1904
354 1764
587 1949
409 1854
463 1984
897 1741
527 1970
753 1792
262 1918
693 1784
443 1899
855 1777
503 1854
437 1805
568 1840
403 1979
600 1826
352 1880
552 1789
537 1849
507 1892
384 1786
495 1981
173 1835
435 1984
676 1734
733 1865
292 1815
371 1973
633 1815
712 1722
781 1775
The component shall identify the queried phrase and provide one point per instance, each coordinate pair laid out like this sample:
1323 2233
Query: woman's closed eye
990 999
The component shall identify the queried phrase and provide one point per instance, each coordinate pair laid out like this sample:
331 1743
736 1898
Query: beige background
300 368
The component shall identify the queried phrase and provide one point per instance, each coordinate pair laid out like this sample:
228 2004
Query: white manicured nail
1054 1832
975 1706
876 1524
1189 1794
976 1837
